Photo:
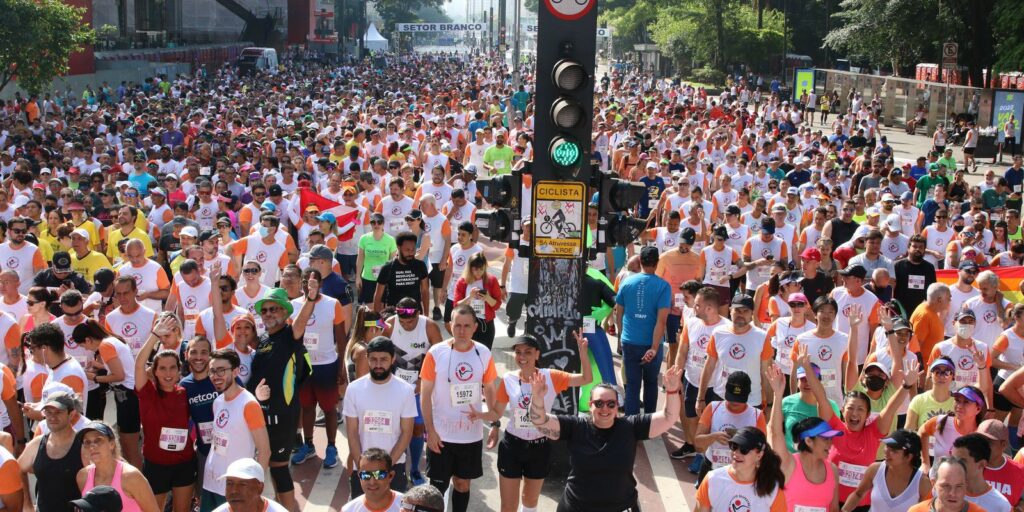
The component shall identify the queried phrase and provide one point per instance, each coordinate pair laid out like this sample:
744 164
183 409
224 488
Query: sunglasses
18 231
797 304
737 448
31 302
409 507
942 216
406 312
379 474
943 373
604 404
251 271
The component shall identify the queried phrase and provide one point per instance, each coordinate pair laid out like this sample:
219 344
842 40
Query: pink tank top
807 495
127 503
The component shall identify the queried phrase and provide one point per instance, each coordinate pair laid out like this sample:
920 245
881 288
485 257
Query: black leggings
484 332
514 306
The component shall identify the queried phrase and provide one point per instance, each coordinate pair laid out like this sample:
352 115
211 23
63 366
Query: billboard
803 80
1007 102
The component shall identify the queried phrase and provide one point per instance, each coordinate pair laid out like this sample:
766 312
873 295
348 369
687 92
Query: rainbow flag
1009 280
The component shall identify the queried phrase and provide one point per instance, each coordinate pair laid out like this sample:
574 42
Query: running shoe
511 330
417 478
437 314
304 453
331 457
683 452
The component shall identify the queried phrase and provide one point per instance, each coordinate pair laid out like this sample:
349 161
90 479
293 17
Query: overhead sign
601 31
949 53
569 9
557 219
441 27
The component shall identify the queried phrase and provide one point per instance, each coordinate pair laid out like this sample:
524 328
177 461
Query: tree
37 38
885 32
1006 18
401 11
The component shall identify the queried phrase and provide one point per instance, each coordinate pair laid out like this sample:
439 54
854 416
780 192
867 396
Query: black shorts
126 404
436 276
162 477
1001 403
282 439
367 292
462 460
449 306
690 399
969 151
519 458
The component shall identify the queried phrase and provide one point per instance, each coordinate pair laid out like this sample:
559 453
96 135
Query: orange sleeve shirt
254 416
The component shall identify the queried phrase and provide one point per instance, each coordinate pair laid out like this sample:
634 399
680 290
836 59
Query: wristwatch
495 424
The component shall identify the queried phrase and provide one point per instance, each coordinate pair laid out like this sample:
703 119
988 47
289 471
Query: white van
258 59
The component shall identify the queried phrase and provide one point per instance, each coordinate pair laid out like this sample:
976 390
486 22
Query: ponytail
769 475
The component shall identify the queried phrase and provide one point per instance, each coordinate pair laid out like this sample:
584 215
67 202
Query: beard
380 374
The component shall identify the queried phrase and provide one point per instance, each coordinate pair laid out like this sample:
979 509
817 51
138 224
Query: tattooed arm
545 423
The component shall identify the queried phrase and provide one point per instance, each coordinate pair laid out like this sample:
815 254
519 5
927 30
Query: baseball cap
907 196
327 217
208 234
720 232
792 191
749 438
246 469
189 231
969 393
893 222
811 253
942 361
82 233
801 373
877 365
737 387
688 236
61 400
321 252
854 270
527 340
901 325
780 208
905 440
102 498
275 190
994 430
733 209
964 313
97 426
743 301
768 225
797 297
61 262
968 265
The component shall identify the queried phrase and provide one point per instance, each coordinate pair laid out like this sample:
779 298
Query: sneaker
437 314
684 451
417 478
512 330
331 457
303 454
698 461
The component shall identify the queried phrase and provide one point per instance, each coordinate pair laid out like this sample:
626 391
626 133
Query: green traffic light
565 153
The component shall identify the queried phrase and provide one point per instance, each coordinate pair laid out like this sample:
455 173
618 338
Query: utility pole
516 79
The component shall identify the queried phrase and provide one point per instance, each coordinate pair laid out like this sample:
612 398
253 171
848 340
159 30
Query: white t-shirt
379 410
359 505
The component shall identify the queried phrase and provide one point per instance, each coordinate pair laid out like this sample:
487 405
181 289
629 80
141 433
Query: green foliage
885 32
37 38
1009 39
716 33
708 76
400 11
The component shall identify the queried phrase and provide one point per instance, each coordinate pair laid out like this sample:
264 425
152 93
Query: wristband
676 392
907 386
495 424
890 332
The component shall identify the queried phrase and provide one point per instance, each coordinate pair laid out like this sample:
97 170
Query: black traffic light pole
566 47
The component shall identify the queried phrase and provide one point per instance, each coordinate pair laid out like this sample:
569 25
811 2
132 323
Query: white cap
246 469
652 165
189 231
20 200
893 222
82 233
861 232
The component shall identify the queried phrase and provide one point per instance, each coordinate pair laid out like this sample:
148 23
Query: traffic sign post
566 50
950 50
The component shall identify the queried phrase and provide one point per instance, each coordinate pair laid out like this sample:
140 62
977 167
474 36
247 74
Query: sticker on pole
570 9
557 224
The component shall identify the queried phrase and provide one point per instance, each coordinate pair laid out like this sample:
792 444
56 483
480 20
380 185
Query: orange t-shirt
926 506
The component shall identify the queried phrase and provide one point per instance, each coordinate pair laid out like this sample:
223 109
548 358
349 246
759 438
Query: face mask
264 231
964 330
874 382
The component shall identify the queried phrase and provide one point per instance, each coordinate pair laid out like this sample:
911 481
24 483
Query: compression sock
460 501
416 453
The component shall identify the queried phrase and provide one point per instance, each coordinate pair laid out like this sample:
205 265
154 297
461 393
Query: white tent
373 40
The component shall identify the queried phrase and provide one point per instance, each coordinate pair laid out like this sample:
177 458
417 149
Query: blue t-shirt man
1014 179
655 186
641 297
644 299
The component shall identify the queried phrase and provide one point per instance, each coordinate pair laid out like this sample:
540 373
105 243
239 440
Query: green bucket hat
277 295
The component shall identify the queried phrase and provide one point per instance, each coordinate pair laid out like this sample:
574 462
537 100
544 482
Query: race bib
410 376
135 344
378 422
396 224
465 394
850 475
479 308
206 431
499 164
85 361
966 377
802 508
173 439
721 456
783 360
718 276
652 204
589 325
915 282
996 217
678 301
220 443
376 271
1018 188
311 340
521 419
829 378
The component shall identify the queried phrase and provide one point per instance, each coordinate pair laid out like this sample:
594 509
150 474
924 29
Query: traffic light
565 88
502 223
616 198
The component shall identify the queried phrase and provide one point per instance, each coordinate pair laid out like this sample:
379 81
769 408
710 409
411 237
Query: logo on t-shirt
191 302
719 262
825 353
737 351
847 309
312 320
12 263
524 401
222 418
966 362
396 211
703 340
989 317
894 248
138 280
261 257
789 340
464 371
243 370
460 261
129 329
739 504
766 252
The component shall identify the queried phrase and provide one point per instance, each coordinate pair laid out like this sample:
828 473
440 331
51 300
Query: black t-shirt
601 462
842 232
912 282
283 362
818 286
402 280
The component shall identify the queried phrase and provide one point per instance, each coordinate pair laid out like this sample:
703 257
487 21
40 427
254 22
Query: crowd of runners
199 272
